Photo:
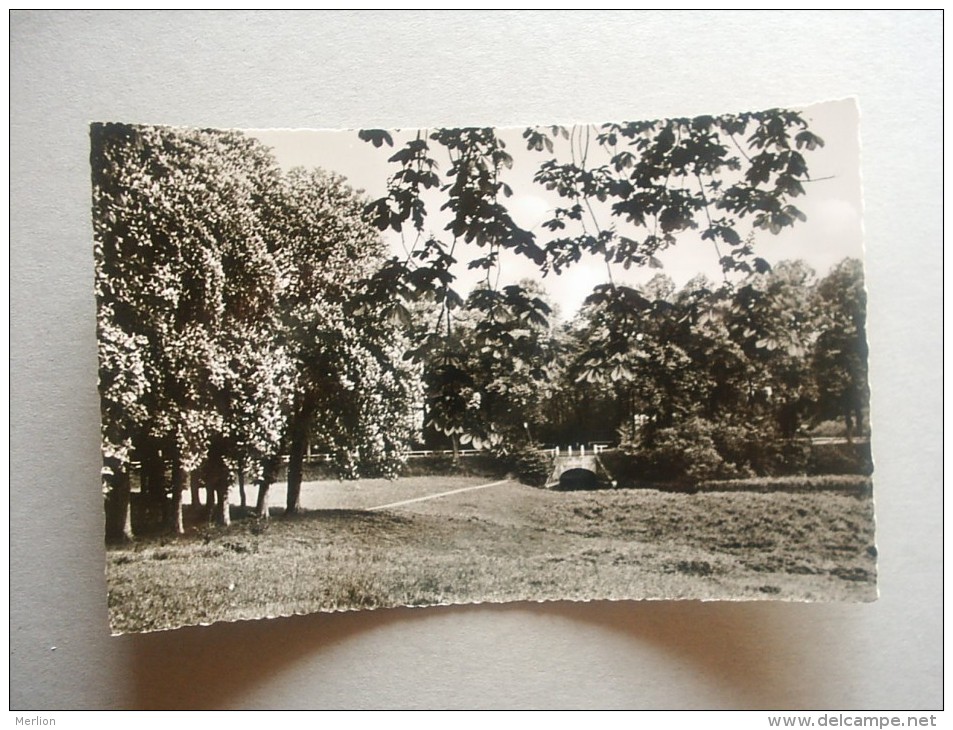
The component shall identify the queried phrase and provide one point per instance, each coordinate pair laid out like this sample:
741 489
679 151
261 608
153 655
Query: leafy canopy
625 191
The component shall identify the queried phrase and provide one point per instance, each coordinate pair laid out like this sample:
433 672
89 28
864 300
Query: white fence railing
594 447
579 449
324 457
571 450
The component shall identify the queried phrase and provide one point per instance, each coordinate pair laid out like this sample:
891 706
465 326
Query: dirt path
366 494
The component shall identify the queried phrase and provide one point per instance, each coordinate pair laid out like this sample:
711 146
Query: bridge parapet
581 461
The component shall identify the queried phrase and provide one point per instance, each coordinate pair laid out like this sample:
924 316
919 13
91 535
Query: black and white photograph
363 369
535 359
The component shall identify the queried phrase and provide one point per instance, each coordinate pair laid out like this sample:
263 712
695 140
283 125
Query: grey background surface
351 69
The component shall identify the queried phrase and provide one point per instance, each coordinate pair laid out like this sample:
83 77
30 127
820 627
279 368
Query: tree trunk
179 478
209 484
223 515
788 419
220 482
261 507
269 472
241 488
152 485
194 488
456 449
117 507
299 442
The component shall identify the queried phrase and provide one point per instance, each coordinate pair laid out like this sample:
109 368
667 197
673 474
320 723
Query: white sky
833 229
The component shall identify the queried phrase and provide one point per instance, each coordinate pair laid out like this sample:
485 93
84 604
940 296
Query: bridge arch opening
578 479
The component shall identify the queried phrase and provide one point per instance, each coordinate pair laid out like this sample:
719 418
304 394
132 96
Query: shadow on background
211 667
750 655
753 654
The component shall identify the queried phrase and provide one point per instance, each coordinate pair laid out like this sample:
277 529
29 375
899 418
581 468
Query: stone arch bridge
577 468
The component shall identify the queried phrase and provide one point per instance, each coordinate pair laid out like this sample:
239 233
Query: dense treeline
230 326
709 381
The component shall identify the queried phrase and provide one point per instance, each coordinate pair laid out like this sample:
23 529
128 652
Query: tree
726 365
351 393
484 375
636 346
723 371
840 353
242 310
124 388
365 411
233 319
772 320
183 280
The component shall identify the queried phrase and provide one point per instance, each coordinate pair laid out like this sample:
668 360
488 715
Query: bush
740 444
625 468
530 466
697 450
760 451
790 456
687 453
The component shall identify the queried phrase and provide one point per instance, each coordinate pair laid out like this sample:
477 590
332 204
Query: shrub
760 450
791 457
687 452
530 465
697 450
625 468
740 444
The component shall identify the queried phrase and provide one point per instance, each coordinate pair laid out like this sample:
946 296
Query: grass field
506 542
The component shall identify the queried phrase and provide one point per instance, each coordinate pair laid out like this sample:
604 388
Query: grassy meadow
506 542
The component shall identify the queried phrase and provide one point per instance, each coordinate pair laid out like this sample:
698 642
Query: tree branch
701 189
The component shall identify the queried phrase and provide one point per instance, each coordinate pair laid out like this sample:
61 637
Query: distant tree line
699 382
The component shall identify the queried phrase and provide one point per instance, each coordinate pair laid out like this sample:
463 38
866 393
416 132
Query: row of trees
230 323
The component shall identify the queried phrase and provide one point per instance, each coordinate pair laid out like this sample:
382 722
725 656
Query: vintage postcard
373 368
